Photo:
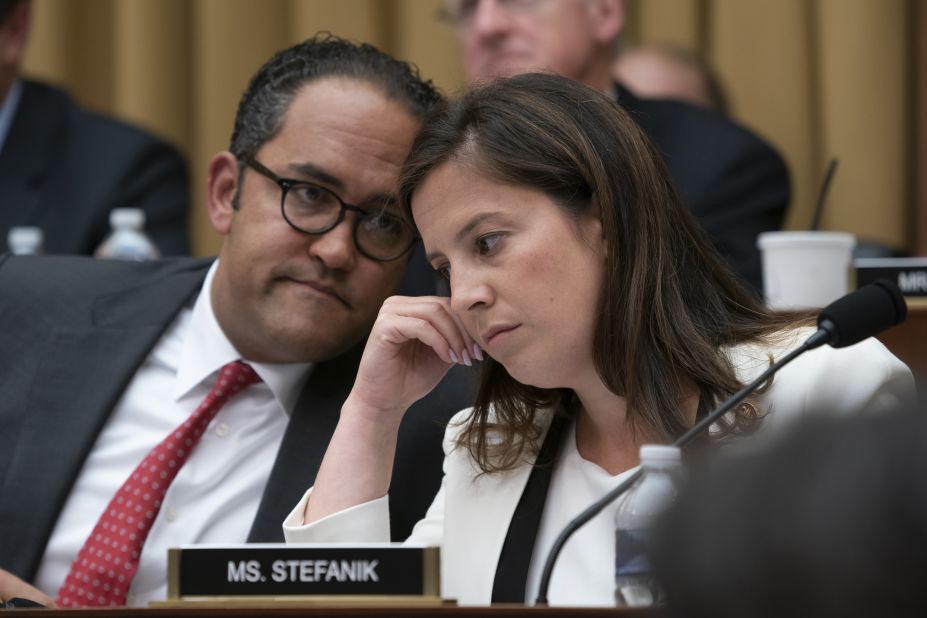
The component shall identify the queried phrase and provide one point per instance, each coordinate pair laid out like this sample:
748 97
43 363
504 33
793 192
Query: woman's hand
413 343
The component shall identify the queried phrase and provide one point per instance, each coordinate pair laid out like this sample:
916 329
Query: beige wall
818 78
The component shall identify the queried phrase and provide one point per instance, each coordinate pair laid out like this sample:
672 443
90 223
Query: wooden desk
505 611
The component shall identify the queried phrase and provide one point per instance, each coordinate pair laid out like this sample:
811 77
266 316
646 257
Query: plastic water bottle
127 241
648 497
25 240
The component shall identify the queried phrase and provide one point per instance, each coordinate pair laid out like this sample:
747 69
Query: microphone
867 311
859 315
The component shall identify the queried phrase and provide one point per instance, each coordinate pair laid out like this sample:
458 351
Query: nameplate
909 273
330 570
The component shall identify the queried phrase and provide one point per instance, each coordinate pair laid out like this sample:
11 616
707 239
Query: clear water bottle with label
127 241
648 497
25 240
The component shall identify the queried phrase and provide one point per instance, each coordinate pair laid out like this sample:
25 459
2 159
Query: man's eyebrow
308 170
317 174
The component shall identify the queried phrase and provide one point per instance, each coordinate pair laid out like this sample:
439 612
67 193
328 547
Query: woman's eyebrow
465 230
475 221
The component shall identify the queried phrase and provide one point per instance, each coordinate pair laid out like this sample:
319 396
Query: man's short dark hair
271 90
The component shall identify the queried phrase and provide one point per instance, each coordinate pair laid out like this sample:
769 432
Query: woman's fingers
473 348
459 346
401 329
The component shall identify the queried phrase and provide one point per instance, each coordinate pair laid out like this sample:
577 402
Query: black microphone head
863 313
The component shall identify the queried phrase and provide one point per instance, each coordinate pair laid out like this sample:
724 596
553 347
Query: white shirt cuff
362 523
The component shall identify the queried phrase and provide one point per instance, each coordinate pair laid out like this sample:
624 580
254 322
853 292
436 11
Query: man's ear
221 191
606 18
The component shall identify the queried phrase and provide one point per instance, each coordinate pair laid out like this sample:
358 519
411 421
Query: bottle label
130 253
127 245
631 553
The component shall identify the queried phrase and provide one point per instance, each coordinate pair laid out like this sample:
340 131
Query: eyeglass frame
286 184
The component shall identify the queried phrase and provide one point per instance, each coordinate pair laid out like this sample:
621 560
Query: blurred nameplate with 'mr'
318 572
910 274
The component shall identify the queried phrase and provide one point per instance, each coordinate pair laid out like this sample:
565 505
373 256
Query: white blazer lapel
478 511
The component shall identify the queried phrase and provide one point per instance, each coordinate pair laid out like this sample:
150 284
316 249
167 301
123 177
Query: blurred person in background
829 521
736 184
669 72
64 168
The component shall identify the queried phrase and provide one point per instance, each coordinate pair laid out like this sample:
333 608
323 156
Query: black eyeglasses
313 209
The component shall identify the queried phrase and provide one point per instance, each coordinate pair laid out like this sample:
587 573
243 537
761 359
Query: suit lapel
84 372
304 444
512 568
478 513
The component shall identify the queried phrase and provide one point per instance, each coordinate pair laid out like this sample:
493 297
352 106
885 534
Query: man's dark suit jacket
63 169
734 183
74 332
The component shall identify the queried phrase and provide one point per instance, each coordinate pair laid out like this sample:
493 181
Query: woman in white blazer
603 318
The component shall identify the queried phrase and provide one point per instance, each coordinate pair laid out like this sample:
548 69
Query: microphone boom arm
823 335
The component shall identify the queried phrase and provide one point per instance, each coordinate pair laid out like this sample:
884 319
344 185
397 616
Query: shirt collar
206 350
8 110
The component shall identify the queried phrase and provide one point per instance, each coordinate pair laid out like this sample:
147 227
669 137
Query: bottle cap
127 217
659 454
25 240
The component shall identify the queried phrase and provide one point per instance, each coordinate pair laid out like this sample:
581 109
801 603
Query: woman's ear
593 232
222 191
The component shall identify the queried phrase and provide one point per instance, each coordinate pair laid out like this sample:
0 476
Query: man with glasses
191 401
379 233
736 185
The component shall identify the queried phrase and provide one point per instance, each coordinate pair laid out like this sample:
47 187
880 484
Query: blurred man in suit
104 359
669 72
735 184
63 169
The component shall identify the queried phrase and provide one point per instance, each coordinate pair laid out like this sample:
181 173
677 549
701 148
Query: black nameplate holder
317 572
910 274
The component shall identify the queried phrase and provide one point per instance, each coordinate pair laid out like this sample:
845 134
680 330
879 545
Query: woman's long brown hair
669 304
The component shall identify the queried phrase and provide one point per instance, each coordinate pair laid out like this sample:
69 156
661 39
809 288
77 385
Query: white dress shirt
216 494
585 571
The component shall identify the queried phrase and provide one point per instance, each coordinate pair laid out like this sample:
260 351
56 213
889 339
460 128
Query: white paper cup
805 270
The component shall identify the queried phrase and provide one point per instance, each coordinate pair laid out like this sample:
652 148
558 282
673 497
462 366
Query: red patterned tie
106 564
